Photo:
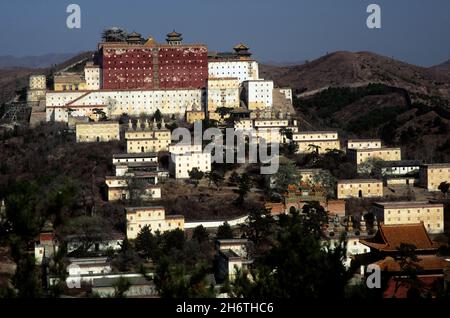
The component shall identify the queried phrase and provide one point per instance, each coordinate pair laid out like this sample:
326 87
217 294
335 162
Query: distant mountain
409 106
47 60
14 79
344 68
283 64
444 66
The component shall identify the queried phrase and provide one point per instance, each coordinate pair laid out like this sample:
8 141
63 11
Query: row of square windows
369 154
418 211
359 185
159 225
149 62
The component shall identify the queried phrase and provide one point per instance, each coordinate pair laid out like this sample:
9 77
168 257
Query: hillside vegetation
366 95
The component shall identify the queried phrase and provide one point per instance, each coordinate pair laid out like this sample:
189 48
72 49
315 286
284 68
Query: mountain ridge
37 61
344 68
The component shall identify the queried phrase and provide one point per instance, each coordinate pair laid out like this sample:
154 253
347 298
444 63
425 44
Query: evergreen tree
224 231
121 286
196 175
147 244
200 234
298 265
245 184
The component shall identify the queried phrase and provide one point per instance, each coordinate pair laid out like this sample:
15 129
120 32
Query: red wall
175 66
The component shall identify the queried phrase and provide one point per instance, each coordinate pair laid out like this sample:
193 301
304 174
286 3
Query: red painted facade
128 66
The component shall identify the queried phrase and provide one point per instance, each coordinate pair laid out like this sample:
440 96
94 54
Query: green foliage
373 118
409 264
174 239
173 246
371 167
174 281
444 187
334 99
244 186
26 279
121 286
196 175
259 225
87 230
287 174
22 209
223 111
157 115
327 181
289 149
298 265
200 234
127 259
147 244
224 231
216 178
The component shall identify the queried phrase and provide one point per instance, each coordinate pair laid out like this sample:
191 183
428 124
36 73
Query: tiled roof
275 208
426 263
389 237
144 208
306 132
46 237
406 204
343 181
136 155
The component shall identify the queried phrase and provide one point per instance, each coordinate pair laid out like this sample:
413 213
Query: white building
116 103
181 164
323 141
182 148
400 168
243 70
152 216
92 75
102 131
268 129
287 92
363 143
185 157
88 266
134 157
223 92
244 124
232 256
114 243
142 184
411 212
37 88
258 94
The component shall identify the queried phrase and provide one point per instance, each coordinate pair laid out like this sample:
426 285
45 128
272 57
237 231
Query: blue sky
415 31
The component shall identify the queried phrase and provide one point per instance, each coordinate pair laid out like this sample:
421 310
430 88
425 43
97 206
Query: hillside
354 69
41 61
15 80
443 67
367 95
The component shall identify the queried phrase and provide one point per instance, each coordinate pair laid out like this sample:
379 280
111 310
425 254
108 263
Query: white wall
244 70
132 102
216 224
258 94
